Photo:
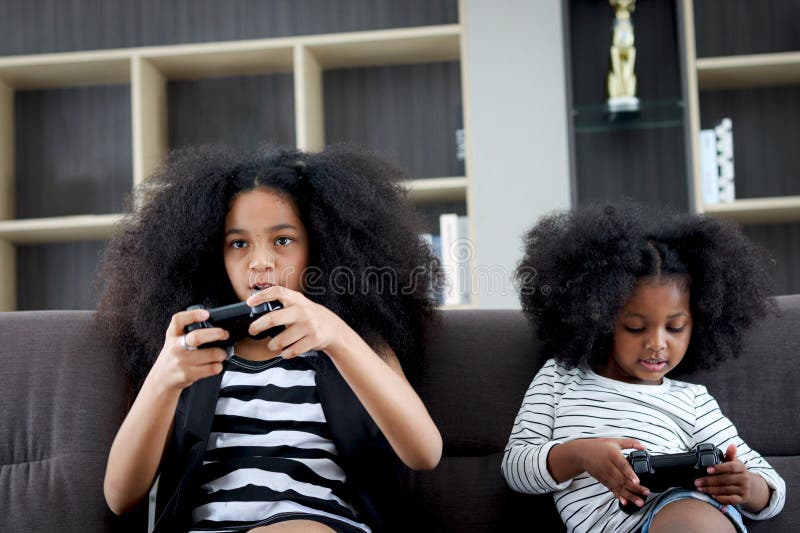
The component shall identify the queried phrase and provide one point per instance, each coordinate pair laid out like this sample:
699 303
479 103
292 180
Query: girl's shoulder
561 375
676 385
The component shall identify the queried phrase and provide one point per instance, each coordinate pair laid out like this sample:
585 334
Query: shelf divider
69 69
746 71
758 210
58 229
8 276
6 152
308 101
148 118
426 44
435 190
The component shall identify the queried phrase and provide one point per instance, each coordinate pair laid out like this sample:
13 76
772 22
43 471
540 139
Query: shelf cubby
70 286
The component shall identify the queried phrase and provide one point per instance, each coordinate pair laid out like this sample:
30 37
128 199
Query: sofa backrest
477 367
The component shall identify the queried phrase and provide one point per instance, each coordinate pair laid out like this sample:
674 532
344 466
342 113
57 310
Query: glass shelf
597 118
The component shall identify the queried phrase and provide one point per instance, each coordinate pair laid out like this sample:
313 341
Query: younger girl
621 297
299 430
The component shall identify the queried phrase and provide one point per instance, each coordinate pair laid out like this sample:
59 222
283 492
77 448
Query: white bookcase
736 72
147 70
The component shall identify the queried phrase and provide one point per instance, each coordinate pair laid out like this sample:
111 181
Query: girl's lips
259 280
653 365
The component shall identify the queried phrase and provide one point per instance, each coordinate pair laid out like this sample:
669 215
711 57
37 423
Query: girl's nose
657 342
261 259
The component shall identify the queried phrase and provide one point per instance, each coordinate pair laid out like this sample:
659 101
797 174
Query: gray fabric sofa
62 396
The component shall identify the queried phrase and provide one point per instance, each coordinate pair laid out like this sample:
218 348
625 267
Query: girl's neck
612 370
254 350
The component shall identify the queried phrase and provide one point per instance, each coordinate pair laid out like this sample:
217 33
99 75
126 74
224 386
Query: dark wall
734 27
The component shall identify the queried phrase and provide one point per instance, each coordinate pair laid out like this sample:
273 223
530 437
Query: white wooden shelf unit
735 72
148 69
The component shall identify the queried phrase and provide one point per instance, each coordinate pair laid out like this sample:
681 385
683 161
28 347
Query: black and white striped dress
270 456
563 404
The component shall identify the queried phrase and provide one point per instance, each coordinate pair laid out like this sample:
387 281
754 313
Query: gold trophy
621 79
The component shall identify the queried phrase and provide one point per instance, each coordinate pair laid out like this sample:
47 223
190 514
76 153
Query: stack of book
454 249
716 163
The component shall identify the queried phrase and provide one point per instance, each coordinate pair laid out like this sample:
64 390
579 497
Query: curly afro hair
581 266
167 253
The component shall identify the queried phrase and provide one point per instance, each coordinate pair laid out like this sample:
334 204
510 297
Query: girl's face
265 243
651 332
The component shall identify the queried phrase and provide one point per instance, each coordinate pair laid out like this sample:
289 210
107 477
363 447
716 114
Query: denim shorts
672 495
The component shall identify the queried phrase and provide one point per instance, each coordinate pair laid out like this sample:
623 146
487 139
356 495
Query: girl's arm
381 386
535 463
378 382
142 439
746 478
525 461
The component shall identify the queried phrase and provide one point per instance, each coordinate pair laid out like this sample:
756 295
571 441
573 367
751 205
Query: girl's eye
238 244
633 330
283 241
677 330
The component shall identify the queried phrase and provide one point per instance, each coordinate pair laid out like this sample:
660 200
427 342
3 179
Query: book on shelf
456 255
709 175
434 242
716 163
724 132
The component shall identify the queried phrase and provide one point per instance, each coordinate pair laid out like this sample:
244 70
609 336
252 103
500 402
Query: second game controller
661 472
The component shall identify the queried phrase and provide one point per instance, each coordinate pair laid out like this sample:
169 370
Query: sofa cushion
62 399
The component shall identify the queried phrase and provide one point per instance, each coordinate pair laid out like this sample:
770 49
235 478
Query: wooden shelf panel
758 70
387 47
221 60
66 70
58 229
232 58
437 190
758 210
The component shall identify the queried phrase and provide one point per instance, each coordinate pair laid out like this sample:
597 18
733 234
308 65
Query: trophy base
622 104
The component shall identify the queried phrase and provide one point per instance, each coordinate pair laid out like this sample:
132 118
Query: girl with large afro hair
579 268
331 236
167 253
620 296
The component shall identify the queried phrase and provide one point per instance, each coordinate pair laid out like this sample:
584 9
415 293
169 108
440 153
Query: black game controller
235 319
661 472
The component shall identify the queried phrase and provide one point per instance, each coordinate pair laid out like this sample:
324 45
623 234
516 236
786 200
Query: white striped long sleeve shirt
564 404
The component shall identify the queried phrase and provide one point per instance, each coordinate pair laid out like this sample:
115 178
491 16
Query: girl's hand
602 459
176 367
731 483
309 326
